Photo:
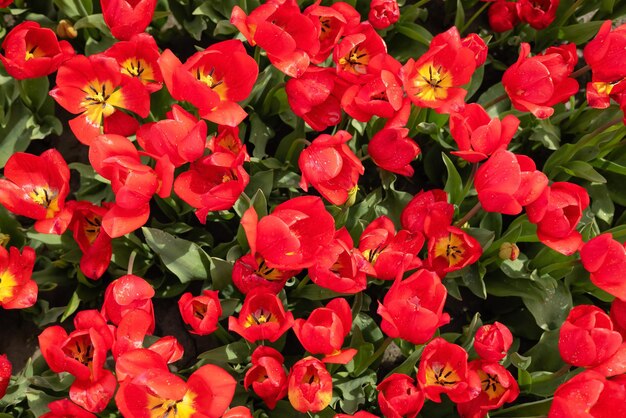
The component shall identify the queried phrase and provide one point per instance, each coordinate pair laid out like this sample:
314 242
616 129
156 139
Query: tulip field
312 208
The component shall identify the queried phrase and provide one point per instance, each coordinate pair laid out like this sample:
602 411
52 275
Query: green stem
470 181
379 352
495 101
422 2
23 95
580 71
469 215
474 16
257 55
223 335
81 8
302 283
365 158
131 262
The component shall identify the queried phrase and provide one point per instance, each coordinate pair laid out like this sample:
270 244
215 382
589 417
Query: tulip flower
65 408
557 213
340 267
535 84
262 317
478 135
202 312
435 79
331 22
213 80
383 13
587 338
502 15
36 187
94 88
137 58
537 13
412 309
391 150
267 375
31 51
618 315
428 213
493 341
325 329
126 18
289 37
291 236
399 396
125 294
5 374
506 182
452 250
389 252
316 97
605 259
330 166
498 387
17 289
589 395
93 241
310 387
157 392
443 369
251 272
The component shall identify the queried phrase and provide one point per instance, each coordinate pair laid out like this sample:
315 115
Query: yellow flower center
138 68
168 408
100 101
47 198
432 83
491 385
7 286
450 247
355 61
208 78
260 316
91 228
442 375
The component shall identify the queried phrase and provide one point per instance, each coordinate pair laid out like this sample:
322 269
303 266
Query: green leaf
183 258
71 307
473 280
260 134
547 134
93 21
236 353
580 32
415 32
454 184
459 19
601 204
36 90
583 170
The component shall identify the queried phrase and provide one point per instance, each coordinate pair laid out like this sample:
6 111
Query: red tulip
435 79
493 341
331 23
168 348
557 213
478 47
213 80
290 237
157 392
340 267
399 396
135 362
354 52
452 250
251 272
383 13
330 166
506 182
391 150
618 315
587 338
443 369
213 183
94 88
316 97
31 51
5 3
5 374
389 252
125 294
498 387
131 331
137 58
413 308
478 135
267 375
289 37
535 84
201 313
428 213
238 412
605 259
262 317
91 238
17 289
381 95
64 408
360 414
310 387
589 395
325 329
503 16
126 18
537 13
36 187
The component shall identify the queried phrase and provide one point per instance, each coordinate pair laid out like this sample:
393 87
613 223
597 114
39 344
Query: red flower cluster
504 15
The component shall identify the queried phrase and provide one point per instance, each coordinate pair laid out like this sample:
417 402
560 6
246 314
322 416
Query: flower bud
65 29
508 251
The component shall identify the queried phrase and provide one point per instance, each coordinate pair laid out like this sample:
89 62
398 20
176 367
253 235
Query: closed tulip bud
508 251
310 385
